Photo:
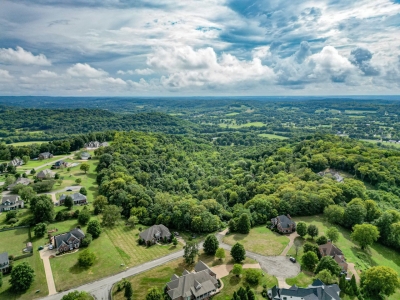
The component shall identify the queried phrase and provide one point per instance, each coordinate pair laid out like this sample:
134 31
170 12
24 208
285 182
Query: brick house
68 241
283 224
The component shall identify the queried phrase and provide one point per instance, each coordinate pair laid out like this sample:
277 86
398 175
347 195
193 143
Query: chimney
288 216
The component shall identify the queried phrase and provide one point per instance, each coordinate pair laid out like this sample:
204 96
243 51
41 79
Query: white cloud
146 71
5 76
187 67
45 74
20 56
85 70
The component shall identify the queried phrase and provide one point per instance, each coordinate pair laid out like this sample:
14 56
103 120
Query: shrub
12 221
252 276
94 228
87 240
322 240
86 258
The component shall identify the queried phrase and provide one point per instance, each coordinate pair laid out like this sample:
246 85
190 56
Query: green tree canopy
237 269
86 258
238 252
328 263
21 277
332 234
94 228
191 250
312 231
309 260
379 280
301 228
40 230
365 235
211 244
154 294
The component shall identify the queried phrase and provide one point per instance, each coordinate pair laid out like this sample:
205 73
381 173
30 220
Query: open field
234 125
125 240
272 136
260 240
16 240
160 275
353 112
27 143
232 114
382 142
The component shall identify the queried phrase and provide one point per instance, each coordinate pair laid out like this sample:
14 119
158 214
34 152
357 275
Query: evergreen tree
243 224
128 290
238 253
211 244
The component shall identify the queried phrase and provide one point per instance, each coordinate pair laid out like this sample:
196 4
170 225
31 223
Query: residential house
45 174
78 199
202 283
16 162
45 155
85 155
20 180
92 144
59 164
68 241
284 224
4 262
11 202
103 144
335 253
316 291
155 233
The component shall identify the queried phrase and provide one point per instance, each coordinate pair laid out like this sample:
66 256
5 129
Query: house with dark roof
46 174
4 262
59 164
16 162
283 224
202 283
45 155
78 199
155 233
316 291
68 241
20 180
11 202
92 144
333 251
85 155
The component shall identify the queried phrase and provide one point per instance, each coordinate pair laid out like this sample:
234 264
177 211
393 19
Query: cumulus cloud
45 74
5 76
361 58
20 56
146 71
187 67
85 70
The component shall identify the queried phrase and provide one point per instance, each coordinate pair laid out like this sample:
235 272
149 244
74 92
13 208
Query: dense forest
185 182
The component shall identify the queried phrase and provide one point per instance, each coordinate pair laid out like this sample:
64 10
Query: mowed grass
382 142
272 136
161 275
27 143
301 280
373 256
260 240
125 240
234 125
13 242
37 163
67 273
233 283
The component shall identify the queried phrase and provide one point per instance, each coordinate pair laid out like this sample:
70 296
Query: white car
50 247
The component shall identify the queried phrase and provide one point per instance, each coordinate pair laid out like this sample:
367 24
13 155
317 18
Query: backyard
16 241
260 240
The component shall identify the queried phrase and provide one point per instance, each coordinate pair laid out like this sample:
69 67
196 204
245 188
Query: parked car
343 273
40 248
69 190
292 259
176 233
50 247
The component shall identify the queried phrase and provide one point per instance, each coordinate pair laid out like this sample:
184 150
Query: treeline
66 146
18 125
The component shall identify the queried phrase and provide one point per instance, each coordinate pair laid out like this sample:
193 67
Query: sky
199 47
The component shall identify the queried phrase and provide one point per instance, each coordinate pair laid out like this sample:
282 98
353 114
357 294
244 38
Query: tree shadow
239 237
234 280
364 257
77 269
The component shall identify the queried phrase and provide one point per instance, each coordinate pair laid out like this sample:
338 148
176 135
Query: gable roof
285 221
150 232
196 284
11 198
64 237
75 197
329 249
316 291
45 173
20 180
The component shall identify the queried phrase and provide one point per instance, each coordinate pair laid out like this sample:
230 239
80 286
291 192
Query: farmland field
272 136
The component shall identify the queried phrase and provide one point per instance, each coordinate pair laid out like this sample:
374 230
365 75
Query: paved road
101 289
28 172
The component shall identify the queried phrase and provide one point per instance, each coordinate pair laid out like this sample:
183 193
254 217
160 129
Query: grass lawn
233 283
125 240
36 163
301 280
374 256
67 273
232 114
272 136
160 275
234 125
16 240
27 143
260 240
382 143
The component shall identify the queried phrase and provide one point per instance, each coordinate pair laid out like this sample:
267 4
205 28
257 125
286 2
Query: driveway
279 266
291 237
224 270
52 194
45 256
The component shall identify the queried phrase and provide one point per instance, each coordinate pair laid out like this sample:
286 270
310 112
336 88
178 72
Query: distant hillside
17 124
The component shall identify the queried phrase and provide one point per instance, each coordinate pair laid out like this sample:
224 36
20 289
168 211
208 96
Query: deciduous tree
86 258
220 253
111 215
309 260
211 244
94 228
21 277
191 250
312 231
84 167
237 270
365 235
238 252
333 234
301 229
379 280
40 230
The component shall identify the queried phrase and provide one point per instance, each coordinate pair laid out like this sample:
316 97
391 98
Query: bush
322 240
12 221
86 258
83 191
252 276
40 230
84 216
94 228
87 240
12 214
